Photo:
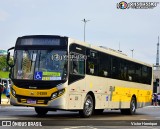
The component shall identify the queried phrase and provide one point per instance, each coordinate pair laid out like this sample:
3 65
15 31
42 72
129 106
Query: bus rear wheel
41 111
87 107
132 109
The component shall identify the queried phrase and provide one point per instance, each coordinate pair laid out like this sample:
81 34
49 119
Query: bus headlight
57 94
13 92
54 95
61 92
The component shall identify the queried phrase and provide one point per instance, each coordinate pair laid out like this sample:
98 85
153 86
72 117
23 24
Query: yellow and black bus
53 72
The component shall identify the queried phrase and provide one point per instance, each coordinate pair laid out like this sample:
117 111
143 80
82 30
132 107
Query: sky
130 29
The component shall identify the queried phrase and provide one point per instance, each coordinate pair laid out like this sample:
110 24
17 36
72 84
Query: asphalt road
111 119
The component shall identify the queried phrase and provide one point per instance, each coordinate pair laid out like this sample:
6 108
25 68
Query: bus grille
35 100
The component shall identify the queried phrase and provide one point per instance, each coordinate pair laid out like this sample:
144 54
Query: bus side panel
101 90
117 94
76 94
125 90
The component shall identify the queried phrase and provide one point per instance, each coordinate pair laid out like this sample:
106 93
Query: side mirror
8 57
10 49
10 75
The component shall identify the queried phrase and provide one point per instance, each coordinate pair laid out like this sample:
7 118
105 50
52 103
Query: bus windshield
47 65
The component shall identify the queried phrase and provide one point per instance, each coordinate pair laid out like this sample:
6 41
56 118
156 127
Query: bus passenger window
91 67
92 62
144 74
77 67
138 73
115 68
104 65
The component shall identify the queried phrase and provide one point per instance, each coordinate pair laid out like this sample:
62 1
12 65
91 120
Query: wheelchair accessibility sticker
38 76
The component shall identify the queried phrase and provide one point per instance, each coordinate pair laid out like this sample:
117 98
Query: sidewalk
153 106
5 102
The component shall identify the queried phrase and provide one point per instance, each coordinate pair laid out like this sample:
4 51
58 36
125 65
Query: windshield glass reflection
40 65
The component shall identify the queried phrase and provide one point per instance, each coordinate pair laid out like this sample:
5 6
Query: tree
3 63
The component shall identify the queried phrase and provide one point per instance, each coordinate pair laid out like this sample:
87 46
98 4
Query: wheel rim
88 106
133 108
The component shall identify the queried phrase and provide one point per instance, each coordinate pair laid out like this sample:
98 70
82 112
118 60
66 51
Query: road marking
78 127
149 127
74 127
91 127
9 118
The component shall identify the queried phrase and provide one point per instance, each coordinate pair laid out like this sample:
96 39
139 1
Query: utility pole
85 21
132 52
157 57
119 47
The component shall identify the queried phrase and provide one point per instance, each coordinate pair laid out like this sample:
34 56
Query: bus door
76 75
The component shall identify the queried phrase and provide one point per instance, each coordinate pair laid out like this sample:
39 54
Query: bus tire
41 111
87 107
132 109
98 111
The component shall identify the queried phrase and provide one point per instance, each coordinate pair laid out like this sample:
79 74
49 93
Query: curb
5 102
152 107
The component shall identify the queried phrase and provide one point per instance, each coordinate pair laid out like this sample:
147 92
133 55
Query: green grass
4 74
3 96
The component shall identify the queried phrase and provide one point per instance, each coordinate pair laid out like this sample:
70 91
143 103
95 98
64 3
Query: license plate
30 101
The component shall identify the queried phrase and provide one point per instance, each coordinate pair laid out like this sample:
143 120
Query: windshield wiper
39 60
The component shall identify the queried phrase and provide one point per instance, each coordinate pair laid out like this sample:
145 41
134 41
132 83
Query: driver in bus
75 67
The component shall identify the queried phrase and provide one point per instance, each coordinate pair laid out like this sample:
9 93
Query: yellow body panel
124 94
34 92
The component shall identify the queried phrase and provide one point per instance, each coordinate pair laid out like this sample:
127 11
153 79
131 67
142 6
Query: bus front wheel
87 107
41 111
